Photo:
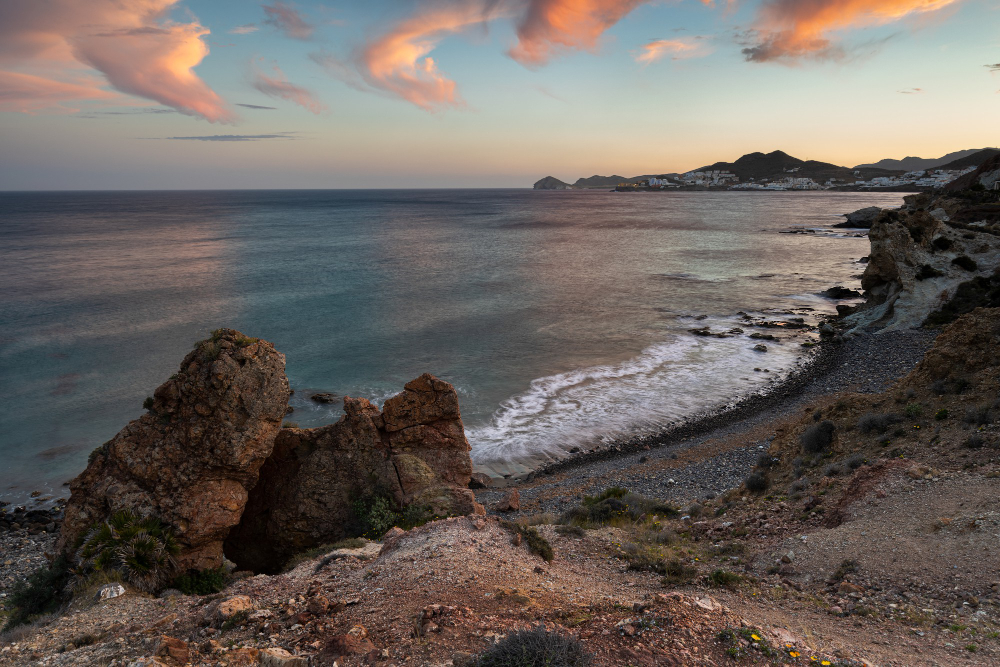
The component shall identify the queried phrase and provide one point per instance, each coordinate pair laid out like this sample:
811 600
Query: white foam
666 382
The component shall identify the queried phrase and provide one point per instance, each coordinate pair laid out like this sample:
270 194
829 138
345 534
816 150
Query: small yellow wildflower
755 637
794 654
825 662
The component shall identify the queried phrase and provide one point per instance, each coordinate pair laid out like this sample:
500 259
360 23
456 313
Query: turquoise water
561 317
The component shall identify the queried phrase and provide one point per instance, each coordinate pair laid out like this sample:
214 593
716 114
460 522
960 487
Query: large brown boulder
192 459
414 451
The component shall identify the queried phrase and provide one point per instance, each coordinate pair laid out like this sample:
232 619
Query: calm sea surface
561 317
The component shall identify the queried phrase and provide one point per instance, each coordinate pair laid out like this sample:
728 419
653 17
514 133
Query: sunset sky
123 94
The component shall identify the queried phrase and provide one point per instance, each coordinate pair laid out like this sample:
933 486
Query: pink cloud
27 93
130 42
791 30
279 87
551 26
681 48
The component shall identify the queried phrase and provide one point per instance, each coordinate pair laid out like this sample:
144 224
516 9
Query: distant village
724 179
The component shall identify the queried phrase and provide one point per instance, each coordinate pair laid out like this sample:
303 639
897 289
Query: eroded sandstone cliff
414 451
192 459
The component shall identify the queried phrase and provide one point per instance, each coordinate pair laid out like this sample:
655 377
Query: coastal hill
919 163
778 165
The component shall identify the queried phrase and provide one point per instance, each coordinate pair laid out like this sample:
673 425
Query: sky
179 94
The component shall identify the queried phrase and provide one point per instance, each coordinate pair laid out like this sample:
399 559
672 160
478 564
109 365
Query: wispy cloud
236 137
681 48
287 19
245 29
144 111
257 106
278 86
995 67
912 91
792 30
48 45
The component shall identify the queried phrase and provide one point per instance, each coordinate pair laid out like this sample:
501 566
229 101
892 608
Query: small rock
318 605
517 540
279 657
173 649
230 607
510 502
760 347
480 480
109 591
324 397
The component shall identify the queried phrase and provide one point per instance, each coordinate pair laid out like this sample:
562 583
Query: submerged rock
414 452
192 459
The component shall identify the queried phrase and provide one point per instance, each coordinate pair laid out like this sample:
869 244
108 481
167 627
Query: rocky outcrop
413 451
192 459
551 183
920 255
962 350
860 219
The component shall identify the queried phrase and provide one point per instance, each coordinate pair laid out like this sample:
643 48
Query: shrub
40 593
914 410
571 531
675 572
615 504
975 442
765 460
140 549
204 582
878 423
940 387
799 485
855 461
375 515
724 579
148 403
941 243
961 384
817 438
832 470
964 262
535 648
979 415
846 567
757 483
941 414
927 271
537 544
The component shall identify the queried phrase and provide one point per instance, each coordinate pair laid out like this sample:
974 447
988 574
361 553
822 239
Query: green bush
537 544
205 582
877 423
675 572
41 593
914 410
140 549
535 648
941 414
148 403
614 504
724 579
376 515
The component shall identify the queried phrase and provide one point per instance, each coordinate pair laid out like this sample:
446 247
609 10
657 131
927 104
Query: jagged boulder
963 349
413 451
860 219
192 459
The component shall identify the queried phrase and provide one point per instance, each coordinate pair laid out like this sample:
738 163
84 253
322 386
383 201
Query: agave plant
140 549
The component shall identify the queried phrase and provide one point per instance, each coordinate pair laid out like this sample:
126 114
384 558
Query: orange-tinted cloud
681 48
138 50
278 86
550 26
31 94
790 30
398 62
285 18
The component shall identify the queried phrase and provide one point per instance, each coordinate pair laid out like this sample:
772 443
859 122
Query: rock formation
924 251
414 452
860 219
551 183
192 459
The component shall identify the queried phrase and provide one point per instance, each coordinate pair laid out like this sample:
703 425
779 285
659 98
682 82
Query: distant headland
779 171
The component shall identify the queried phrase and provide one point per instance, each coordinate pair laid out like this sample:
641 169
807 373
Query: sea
564 319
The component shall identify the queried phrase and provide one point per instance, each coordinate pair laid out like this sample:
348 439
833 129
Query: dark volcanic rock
860 219
193 457
841 292
414 451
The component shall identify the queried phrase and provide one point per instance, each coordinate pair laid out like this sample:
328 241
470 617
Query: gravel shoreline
867 363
